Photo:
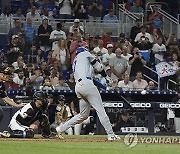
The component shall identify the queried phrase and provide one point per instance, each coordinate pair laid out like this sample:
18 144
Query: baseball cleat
5 134
59 133
113 138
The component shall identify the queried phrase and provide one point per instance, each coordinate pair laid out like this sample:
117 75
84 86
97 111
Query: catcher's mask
6 73
40 95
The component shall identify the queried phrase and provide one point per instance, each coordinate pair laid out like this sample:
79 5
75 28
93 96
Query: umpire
5 76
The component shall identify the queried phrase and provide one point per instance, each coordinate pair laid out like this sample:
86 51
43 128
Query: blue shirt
29 33
110 19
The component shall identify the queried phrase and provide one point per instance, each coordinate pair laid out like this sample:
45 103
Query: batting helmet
61 98
81 49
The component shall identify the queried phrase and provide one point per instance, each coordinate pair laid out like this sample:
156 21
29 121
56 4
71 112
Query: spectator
19 15
65 9
6 14
95 10
11 85
16 63
47 85
19 79
56 66
107 39
56 35
32 3
155 19
76 28
13 50
15 30
136 8
125 84
27 85
80 9
51 108
151 86
33 14
158 50
139 84
144 46
44 32
62 84
137 63
29 34
135 30
74 45
110 17
126 56
71 82
143 33
123 121
171 39
32 55
108 56
54 76
44 69
30 70
37 78
61 54
39 57
100 48
118 65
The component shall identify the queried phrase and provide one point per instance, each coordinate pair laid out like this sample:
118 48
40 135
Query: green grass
72 147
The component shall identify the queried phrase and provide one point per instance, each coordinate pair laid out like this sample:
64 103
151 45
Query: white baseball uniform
88 92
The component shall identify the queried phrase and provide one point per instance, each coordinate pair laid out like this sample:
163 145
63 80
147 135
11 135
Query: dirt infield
67 139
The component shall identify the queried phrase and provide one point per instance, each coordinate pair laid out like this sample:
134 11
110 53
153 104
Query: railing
93 28
170 23
128 18
171 82
158 77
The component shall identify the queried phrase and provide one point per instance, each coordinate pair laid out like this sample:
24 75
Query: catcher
23 123
5 76
63 114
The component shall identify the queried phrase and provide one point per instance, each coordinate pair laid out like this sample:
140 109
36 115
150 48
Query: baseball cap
76 20
45 18
124 113
96 50
109 46
61 98
15 36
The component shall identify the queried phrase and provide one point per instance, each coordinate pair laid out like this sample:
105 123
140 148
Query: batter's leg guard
22 134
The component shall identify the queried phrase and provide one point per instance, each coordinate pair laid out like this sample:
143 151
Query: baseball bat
123 98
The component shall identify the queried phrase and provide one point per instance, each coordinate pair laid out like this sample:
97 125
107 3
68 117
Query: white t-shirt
57 34
15 65
18 81
35 17
103 50
66 8
125 87
59 54
71 29
106 57
159 48
138 37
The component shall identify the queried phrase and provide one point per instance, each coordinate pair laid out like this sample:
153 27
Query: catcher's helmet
61 98
40 95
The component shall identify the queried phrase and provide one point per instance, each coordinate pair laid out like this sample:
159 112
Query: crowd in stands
42 58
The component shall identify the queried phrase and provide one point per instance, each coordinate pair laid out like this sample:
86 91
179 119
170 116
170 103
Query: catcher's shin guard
45 126
22 134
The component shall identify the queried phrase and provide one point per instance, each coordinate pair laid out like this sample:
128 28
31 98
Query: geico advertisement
118 104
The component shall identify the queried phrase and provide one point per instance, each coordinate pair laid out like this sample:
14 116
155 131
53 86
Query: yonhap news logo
131 140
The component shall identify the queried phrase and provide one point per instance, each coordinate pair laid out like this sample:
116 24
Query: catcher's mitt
61 113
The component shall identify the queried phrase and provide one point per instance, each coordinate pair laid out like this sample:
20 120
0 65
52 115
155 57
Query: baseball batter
83 68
